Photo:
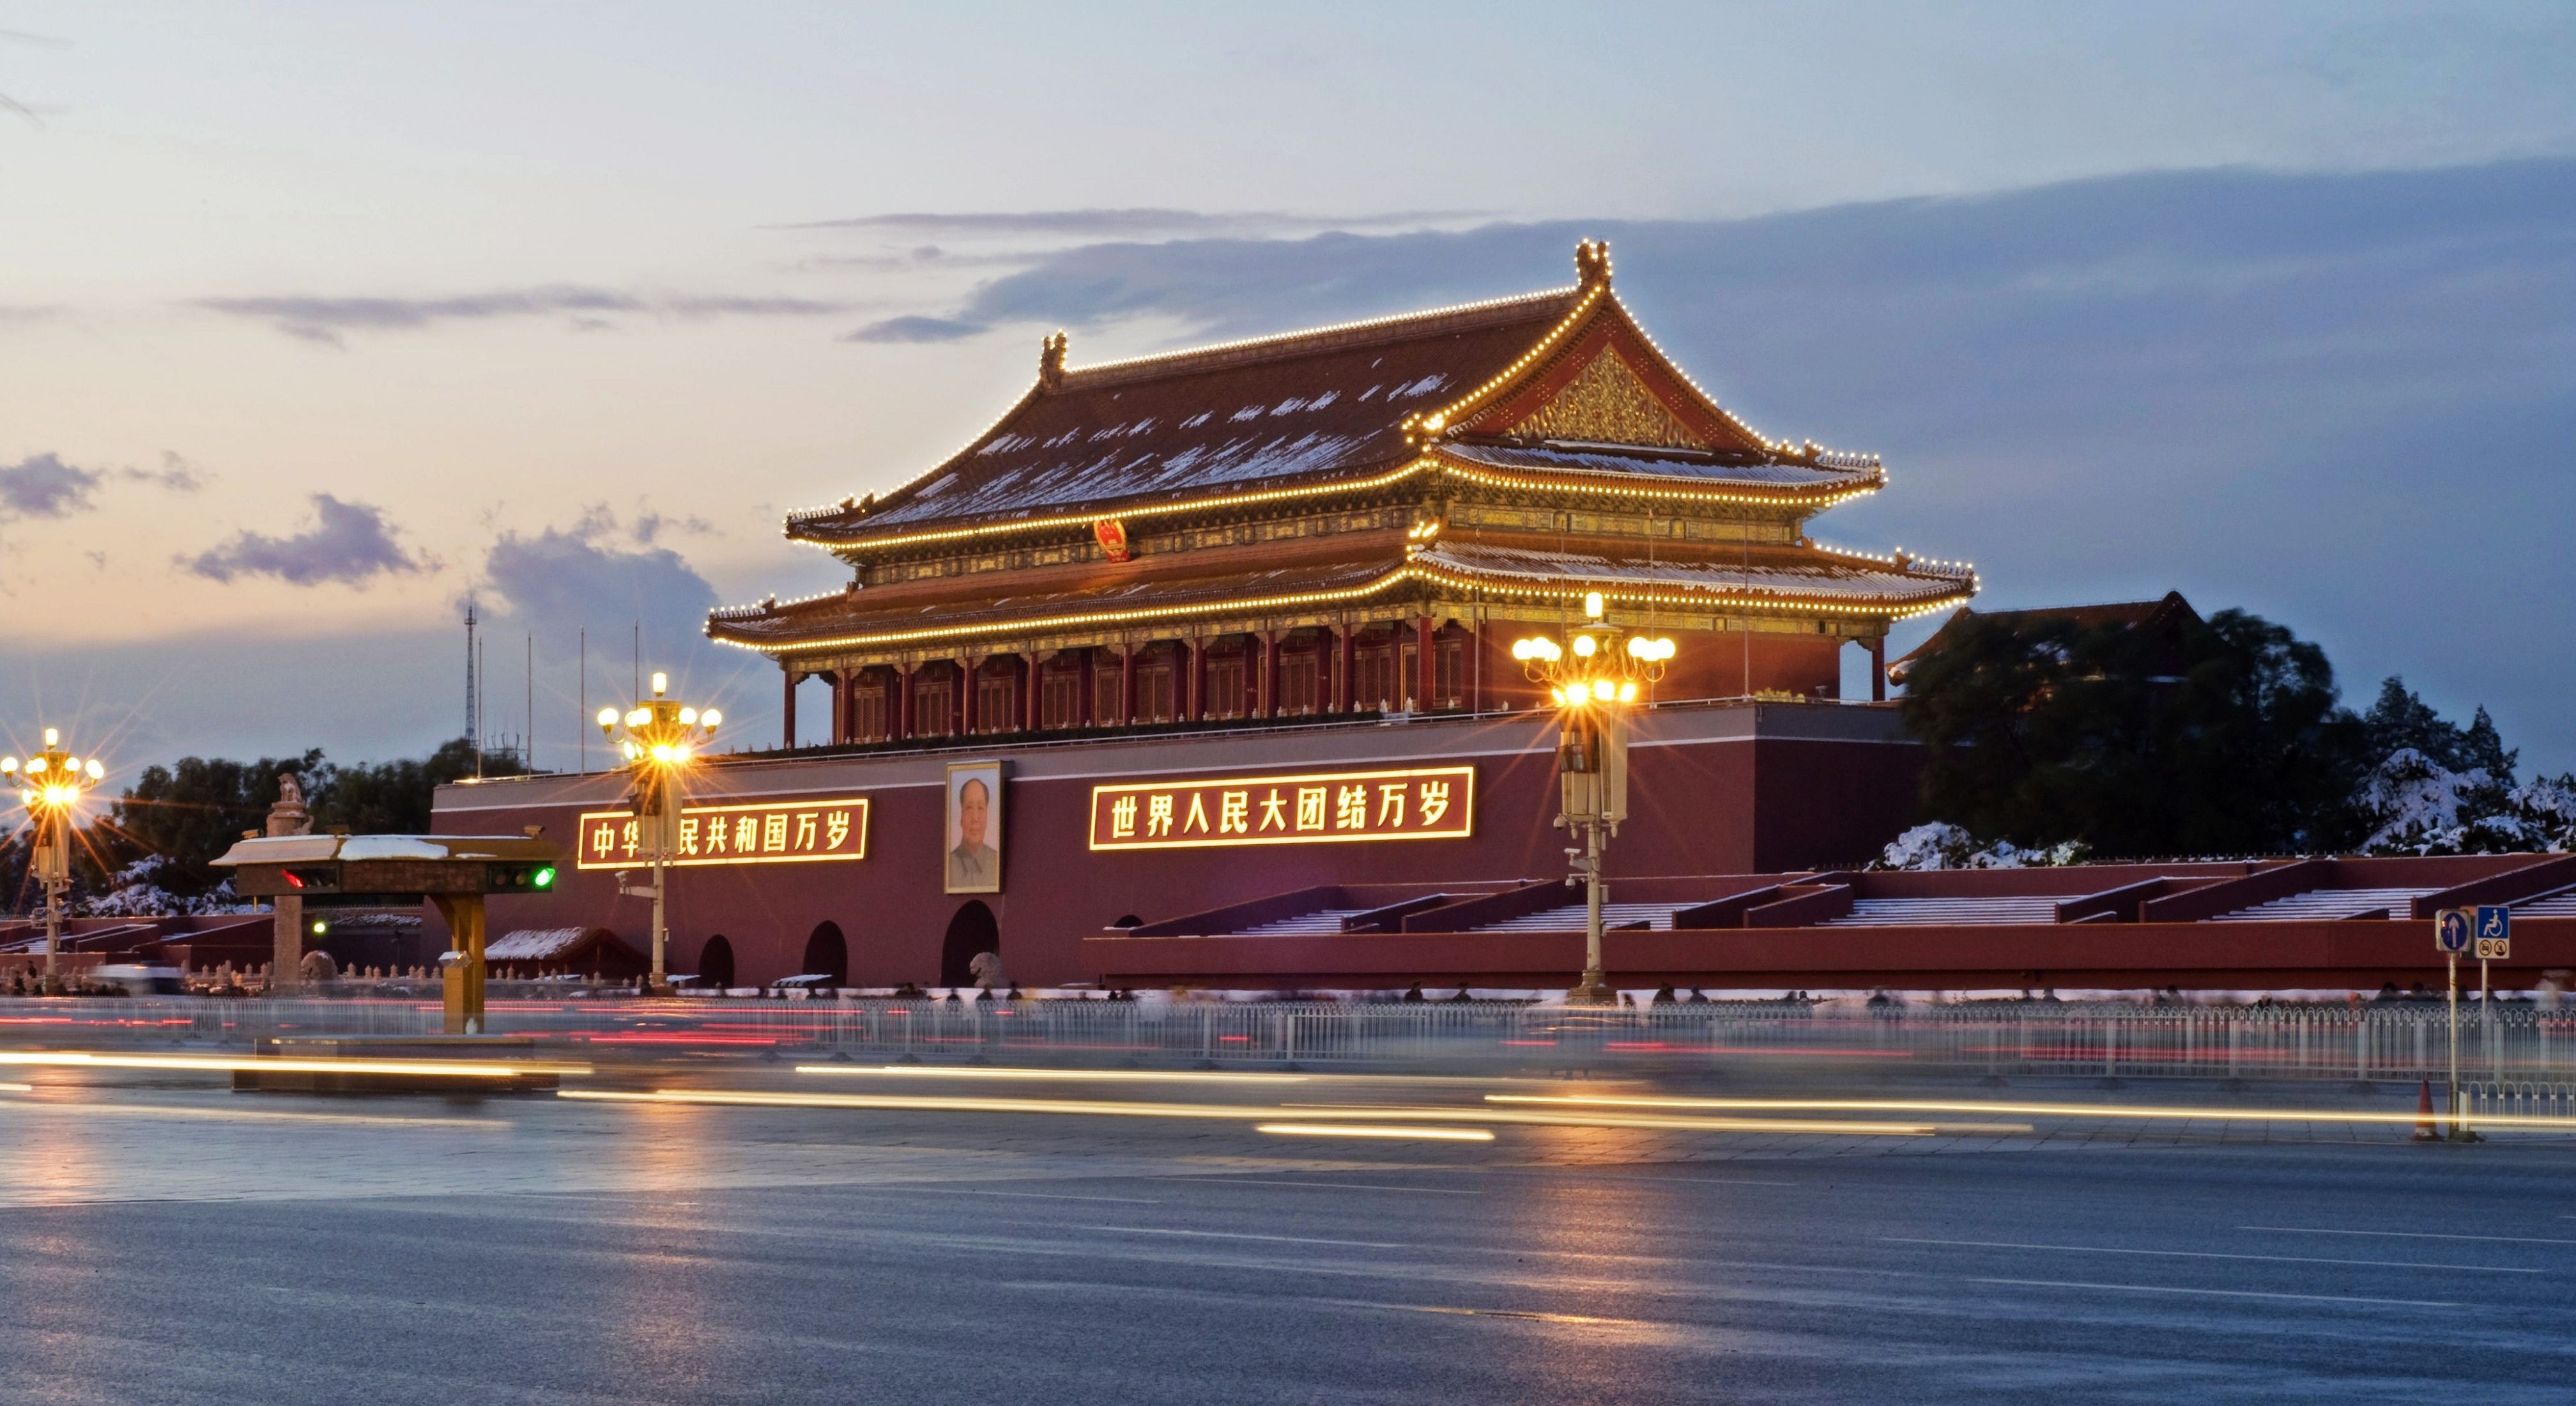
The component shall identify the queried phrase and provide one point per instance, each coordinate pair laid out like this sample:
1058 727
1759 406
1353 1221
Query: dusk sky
317 319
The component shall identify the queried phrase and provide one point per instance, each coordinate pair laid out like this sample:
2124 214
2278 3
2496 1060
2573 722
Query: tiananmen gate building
1186 630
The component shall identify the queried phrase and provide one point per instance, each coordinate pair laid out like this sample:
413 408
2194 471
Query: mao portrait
973 838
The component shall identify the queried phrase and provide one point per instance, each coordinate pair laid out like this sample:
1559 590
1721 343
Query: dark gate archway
715 962
971 931
827 955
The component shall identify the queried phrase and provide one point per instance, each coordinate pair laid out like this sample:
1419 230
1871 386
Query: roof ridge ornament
1051 361
1592 263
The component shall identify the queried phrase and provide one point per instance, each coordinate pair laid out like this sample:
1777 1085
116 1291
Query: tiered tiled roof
1544 409
1345 569
2164 616
1330 406
1305 407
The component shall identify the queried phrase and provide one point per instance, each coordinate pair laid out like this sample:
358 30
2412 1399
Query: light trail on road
1246 1112
288 1064
2043 1110
1382 1130
1122 1076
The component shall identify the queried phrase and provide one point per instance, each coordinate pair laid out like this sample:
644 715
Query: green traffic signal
544 878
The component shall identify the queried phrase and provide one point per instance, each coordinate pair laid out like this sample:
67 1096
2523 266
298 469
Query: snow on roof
1298 406
541 944
1813 575
391 847
1561 457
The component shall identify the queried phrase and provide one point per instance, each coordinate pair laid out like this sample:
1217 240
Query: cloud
43 486
650 525
917 329
701 307
176 474
1122 224
348 543
2191 236
324 319
570 576
590 575
927 256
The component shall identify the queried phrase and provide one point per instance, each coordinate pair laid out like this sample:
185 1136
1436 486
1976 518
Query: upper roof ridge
1330 337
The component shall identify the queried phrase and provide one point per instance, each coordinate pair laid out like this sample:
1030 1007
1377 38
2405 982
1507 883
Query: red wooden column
963 709
790 709
1426 664
841 691
1878 670
1086 684
1346 684
1270 673
1193 690
1127 683
1034 716
899 716
1476 665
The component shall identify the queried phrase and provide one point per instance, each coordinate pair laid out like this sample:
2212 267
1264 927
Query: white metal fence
2514 1047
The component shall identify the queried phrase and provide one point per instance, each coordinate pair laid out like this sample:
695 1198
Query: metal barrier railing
2527 1098
2509 1047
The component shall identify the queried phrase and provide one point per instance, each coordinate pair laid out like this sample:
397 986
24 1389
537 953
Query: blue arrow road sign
2451 929
2494 921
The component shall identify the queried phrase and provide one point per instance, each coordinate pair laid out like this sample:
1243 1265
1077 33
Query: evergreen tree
2400 721
192 810
2041 731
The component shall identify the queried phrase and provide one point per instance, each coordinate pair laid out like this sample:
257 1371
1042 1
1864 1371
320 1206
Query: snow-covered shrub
1941 845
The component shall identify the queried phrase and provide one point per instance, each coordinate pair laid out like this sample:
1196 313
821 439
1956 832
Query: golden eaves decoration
1606 403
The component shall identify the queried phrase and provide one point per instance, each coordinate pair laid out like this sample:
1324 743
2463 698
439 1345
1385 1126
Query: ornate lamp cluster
1598 664
55 780
661 733
52 784
662 736
1593 678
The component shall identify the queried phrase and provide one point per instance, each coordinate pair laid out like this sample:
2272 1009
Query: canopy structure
1344 519
452 871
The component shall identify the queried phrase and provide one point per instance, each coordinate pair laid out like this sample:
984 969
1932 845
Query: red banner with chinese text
769 832
1435 803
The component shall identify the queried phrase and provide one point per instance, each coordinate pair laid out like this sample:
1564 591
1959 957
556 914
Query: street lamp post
52 783
661 735
1593 679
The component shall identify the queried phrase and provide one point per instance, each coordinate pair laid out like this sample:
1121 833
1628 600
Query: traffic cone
2424 1130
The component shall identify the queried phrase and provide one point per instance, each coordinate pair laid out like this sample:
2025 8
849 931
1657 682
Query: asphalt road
180 1244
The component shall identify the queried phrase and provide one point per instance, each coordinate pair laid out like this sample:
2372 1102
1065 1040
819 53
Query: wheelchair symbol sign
2451 929
2495 922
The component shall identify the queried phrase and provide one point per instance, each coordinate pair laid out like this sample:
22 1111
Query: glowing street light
52 784
662 736
1593 678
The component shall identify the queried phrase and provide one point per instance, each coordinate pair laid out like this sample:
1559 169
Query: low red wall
1838 781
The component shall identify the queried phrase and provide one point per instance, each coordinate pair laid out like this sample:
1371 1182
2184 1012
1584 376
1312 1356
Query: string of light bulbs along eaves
1722 600
1589 481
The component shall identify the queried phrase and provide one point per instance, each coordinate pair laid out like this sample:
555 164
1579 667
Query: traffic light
519 878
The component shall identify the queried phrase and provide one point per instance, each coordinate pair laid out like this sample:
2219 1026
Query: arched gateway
827 954
971 931
715 962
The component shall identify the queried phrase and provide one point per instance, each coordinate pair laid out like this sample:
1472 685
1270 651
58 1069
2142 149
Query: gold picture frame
970 834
